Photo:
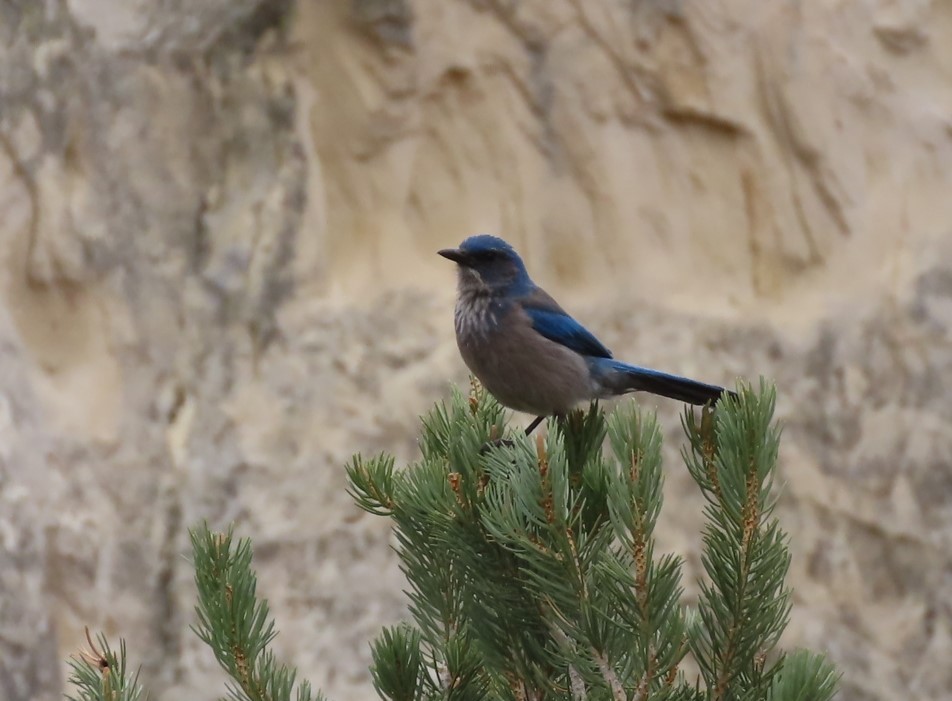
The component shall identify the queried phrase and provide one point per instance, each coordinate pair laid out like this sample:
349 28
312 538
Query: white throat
474 315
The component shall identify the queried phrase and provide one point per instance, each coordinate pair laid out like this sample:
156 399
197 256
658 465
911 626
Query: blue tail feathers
615 377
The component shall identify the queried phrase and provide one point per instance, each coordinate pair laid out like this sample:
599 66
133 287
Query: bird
529 353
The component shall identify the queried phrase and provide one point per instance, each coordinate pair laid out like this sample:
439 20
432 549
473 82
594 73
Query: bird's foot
494 444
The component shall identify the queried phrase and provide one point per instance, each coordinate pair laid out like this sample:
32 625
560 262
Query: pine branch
398 671
371 484
542 555
804 676
100 674
744 605
235 623
533 572
646 590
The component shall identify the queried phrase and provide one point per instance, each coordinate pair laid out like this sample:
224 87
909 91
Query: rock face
217 281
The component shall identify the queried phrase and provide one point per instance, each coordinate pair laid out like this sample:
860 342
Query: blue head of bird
489 264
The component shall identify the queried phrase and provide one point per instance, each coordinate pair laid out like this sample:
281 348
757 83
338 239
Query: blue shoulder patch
560 327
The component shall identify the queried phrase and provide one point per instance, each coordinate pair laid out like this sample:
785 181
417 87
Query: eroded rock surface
217 281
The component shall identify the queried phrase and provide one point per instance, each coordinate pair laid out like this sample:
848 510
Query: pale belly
536 376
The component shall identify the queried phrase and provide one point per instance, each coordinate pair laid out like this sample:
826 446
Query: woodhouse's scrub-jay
528 352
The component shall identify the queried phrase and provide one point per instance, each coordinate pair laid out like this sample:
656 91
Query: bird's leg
535 422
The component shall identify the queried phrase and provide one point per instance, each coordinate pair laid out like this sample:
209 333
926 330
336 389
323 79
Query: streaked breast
475 315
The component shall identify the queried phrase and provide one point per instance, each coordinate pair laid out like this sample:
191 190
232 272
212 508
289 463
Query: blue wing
551 321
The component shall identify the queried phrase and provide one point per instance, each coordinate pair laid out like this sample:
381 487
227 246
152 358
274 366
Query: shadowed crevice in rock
389 22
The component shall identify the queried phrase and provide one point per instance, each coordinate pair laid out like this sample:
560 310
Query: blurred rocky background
218 221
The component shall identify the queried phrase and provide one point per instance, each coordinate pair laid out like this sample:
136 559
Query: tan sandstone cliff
217 281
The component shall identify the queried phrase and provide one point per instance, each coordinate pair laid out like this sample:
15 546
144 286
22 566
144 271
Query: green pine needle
533 568
101 674
804 676
235 623
397 669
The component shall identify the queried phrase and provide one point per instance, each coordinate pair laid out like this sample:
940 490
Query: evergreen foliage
231 619
533 569
236 624
100 674
533 572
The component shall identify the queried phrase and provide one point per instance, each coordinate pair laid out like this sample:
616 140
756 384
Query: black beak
455 255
